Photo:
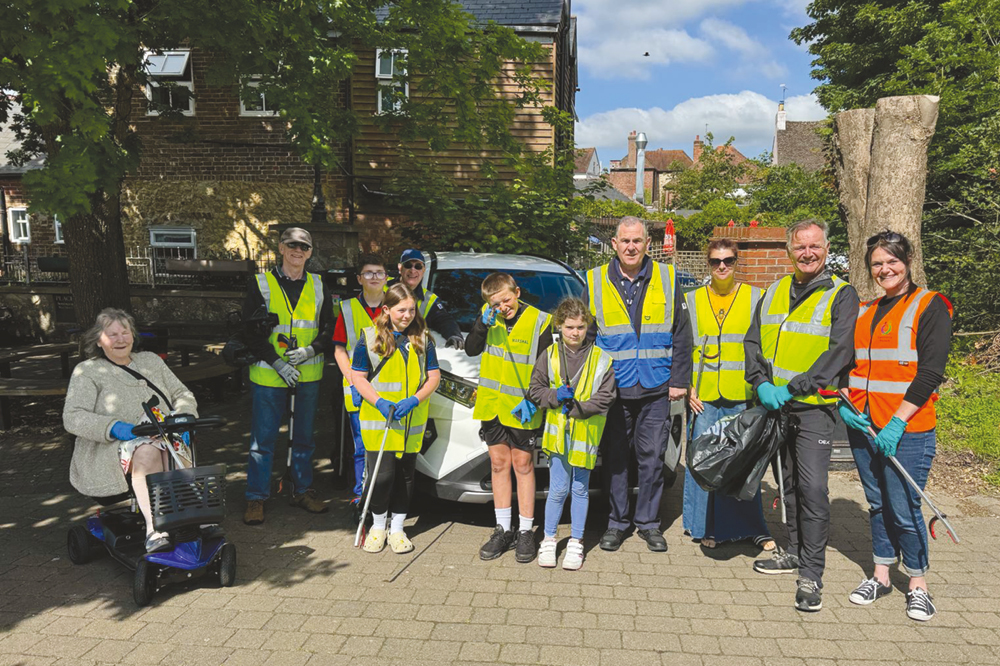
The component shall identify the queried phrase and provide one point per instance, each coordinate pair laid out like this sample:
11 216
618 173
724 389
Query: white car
454 463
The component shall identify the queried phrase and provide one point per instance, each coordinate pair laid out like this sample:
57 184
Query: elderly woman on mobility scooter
103 404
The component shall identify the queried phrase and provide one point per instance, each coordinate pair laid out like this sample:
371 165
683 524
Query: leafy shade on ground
969 415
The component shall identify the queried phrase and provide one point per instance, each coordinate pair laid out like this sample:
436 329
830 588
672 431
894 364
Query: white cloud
748 116
753 57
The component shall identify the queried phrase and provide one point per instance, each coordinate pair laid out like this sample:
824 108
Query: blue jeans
269 404
894 506
359 454
713 515
561 477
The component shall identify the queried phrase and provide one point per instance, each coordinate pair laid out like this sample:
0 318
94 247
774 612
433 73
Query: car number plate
541 458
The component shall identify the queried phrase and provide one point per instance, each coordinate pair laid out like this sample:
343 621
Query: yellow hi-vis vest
793 341
303 324
721 377
356 319
397 380
506 368
577 439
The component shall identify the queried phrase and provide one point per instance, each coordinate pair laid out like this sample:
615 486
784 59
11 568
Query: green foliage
588 207
694 231
715 177
968 412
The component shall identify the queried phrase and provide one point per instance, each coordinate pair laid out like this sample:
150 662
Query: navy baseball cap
411 255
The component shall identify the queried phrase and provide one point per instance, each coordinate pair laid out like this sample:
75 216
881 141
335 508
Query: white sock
397 523
503 518
526 523
378 520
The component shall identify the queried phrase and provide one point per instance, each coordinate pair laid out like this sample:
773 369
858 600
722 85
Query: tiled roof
663 159
510 12
8 143
604 189
799 144
582 159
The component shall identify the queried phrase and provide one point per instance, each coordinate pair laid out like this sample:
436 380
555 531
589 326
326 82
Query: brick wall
624 181
763 253
43 230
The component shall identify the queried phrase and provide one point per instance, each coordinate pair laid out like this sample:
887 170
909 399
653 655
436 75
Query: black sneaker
524 550
808 597
779 563
612 539
500 542
919 605
870 591
654 540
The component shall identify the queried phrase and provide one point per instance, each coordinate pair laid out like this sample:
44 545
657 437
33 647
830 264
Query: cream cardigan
99 395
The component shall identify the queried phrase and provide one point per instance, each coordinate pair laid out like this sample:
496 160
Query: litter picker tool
906 475
373 476
285 342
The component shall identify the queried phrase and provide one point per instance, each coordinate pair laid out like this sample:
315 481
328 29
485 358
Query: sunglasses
715 262
886 236
299 246
415 265
373 275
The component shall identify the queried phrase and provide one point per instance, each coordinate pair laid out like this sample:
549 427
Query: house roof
582 159
663 159
602 189
799 144
8 142
535 13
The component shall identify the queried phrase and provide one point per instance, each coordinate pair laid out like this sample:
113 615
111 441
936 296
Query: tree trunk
898 179
852 142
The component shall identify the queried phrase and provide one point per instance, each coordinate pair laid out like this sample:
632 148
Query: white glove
300 355
287 372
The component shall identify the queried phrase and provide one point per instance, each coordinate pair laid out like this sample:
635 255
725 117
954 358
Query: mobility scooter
187 503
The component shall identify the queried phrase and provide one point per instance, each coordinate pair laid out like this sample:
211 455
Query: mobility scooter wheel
81 545
227 565
144 583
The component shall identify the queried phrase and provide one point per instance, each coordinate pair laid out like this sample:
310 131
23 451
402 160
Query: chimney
697 148
629 162
779 119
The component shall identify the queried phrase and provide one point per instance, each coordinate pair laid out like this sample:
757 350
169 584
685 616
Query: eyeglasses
415 265
373 275
728 261
886 236
299 246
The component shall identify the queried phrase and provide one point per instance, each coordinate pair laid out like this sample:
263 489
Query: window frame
254 82
383 81
173 79
192 244
16 238
57 228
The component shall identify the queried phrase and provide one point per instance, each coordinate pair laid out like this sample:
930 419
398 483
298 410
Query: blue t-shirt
361 363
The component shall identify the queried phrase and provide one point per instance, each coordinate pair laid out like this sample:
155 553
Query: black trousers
805 462
636 430
394 484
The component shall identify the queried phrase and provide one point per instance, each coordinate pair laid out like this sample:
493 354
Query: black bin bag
732 456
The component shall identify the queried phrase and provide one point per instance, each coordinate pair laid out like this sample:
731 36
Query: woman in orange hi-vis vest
901 344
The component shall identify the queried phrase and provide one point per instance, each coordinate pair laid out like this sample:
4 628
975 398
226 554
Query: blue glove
564 393
525 411
384 406
405 406
186 437
123 431
888 439
773 397
356 397
852 419
490 317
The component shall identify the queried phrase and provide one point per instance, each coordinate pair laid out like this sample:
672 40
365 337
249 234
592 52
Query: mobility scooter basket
187 497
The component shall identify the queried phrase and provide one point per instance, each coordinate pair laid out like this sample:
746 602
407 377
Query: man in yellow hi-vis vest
800 341
305 316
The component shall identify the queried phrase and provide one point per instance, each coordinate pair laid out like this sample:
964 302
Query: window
58 226
20 225
170 82
389 66
259 105
172 243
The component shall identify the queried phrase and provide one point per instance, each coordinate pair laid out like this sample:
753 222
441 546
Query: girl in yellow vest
575 384
395 369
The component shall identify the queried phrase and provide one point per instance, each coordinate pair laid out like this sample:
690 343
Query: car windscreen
461 293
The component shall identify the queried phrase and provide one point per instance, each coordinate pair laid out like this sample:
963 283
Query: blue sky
720 62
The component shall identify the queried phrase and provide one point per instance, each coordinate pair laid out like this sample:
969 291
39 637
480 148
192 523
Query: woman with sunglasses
720 316
901 344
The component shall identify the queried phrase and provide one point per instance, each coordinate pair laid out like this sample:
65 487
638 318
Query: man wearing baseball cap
411 273
291 359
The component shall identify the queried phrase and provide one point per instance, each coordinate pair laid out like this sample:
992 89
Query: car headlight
457 389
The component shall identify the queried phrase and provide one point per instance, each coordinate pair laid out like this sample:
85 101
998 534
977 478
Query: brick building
797 142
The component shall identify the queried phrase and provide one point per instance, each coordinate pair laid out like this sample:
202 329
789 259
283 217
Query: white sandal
375 541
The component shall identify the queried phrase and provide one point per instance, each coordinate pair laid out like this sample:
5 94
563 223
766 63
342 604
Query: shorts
493 432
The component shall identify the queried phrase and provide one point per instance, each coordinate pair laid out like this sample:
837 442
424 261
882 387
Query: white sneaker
573 558
547 553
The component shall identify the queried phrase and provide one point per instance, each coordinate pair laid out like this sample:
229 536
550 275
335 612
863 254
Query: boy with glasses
411 273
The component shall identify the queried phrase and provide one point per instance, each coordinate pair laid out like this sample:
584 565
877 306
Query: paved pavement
304 596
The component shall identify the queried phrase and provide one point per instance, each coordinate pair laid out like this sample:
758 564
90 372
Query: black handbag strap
139 375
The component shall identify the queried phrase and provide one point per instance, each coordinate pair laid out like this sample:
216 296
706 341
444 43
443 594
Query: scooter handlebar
150 429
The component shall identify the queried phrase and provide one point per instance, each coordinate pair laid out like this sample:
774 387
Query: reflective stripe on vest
615 334
793 341
302 324
356 319
505 371
722 376
886 361
397 380
426 303
576 439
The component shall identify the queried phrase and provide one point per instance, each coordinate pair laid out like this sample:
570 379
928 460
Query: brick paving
304 596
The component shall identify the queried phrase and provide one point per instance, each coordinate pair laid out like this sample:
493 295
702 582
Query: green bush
969 414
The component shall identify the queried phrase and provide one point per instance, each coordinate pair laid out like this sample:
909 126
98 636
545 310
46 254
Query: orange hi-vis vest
886 361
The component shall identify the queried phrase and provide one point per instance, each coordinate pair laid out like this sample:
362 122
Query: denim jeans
894 506
269 405
561 476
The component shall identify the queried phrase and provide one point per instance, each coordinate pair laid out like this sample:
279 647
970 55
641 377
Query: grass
969 413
